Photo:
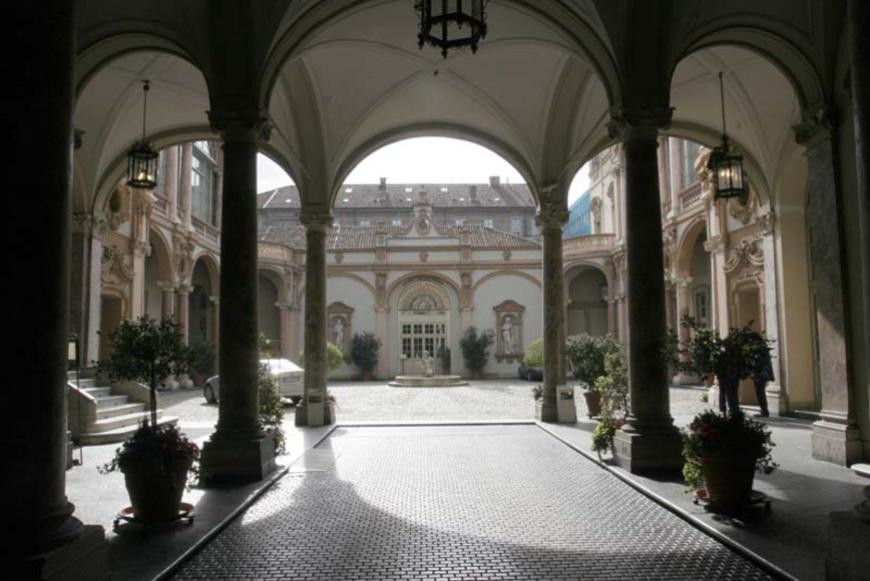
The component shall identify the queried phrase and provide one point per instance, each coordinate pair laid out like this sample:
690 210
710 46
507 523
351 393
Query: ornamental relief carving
743 209
747 255
116 267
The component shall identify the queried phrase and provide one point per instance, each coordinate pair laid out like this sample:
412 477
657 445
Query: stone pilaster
649 441
170 182
46 540
87 252
551 216
835 436
167 291
140 250
382 324
284 328
777 399
683 292
858 17
183 311
215 302
184 193
314 410
238 451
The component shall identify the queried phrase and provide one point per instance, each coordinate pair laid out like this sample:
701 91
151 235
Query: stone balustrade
585 246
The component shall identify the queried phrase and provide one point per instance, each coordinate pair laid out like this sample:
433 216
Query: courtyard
463 483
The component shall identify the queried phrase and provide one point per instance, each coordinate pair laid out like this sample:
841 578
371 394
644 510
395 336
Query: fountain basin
422 381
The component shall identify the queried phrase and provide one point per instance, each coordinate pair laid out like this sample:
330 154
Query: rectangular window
701 309
364 223
488 223
397 221
516 225
202 190
406 346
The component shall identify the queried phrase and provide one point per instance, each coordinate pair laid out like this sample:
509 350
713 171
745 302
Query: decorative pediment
424 297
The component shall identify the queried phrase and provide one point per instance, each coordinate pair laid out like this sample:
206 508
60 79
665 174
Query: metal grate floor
475 502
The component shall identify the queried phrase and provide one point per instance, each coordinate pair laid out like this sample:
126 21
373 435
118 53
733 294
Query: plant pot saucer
755 498
185 513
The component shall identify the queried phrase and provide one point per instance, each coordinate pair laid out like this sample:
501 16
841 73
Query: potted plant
733 361
700 350
271 408
475 349
533 361
721 454
202 361
364 353
157 459
586 354
613 387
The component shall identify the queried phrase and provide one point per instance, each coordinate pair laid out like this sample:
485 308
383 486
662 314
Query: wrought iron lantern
726 164
142 159
447 24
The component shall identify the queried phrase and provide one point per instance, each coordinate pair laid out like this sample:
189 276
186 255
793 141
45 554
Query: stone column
313 409
284 328
167 290
141 250
674 177
46 541
170 181
551 216
216 329
183 311
649 441
238 451
293 315
835 436
683 292
87 251
184 194
776 397
612 328
382 316
858 17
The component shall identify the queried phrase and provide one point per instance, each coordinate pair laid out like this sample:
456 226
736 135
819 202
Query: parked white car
288 376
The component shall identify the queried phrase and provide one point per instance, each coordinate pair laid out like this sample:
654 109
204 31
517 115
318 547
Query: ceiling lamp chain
142 159
726 164
447 24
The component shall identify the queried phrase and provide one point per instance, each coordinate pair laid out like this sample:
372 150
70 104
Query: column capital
166 285
552 214
183 289
140 248
318 220
214 299
816 127
240 124
715 244
683 281
638 121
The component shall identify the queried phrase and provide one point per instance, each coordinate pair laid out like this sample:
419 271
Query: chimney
494 181
472 193
383 186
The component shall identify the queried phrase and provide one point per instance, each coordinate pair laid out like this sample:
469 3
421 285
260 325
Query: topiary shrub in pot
364 353
613 388
587 355
475 349
202 361
156 460
533 360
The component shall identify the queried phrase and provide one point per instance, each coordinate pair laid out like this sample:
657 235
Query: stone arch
396 284
498 273
509 154
212 267
773 47
160 250
686 245
588 39
356 278
572 266
412 292
276 277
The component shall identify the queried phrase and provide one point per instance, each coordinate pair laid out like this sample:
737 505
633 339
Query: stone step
118 434
115 422
83 382
121 410
111 401
98 392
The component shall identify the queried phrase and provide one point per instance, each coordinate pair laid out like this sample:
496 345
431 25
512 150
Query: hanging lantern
447 24
142 159
725 164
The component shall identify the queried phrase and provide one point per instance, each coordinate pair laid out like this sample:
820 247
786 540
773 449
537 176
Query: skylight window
345 200
461 199
348 190
407 199
445 189
409 190
288 200
496 199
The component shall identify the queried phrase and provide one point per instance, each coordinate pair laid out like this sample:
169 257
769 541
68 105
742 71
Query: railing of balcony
587 245
690 195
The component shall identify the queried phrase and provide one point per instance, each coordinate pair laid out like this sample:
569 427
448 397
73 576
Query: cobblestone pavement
469 502
373 401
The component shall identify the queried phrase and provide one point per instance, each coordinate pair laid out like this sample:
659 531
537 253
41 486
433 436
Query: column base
312 415
226 461
683 378
836 442
777 400
546 412
848 539
85 558
649 448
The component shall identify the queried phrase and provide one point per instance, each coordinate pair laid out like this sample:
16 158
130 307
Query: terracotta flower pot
154 494
728 480
593 402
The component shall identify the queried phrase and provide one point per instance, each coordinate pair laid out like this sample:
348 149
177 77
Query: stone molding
638 121
241 125
315 221
816 127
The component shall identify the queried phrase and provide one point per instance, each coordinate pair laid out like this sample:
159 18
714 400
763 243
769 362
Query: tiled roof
352 237
398 196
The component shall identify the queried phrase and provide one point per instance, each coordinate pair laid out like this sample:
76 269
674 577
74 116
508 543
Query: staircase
105 414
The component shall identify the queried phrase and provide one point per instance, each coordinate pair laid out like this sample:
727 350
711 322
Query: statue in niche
338 332
507 335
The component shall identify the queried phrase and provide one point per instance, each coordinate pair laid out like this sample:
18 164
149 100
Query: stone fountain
428 377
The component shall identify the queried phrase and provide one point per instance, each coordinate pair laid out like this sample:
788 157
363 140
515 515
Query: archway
201 324
268 312
587 302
